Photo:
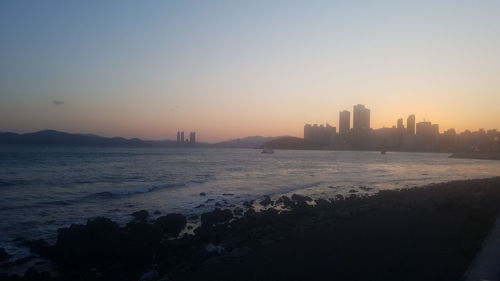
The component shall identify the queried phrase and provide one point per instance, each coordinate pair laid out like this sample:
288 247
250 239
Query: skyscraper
182 137
192 137
178 137
410 124
344 123
360 117
400 124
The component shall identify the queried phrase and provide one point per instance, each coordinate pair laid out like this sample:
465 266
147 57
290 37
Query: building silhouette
410 124
319 135
360 117
344 123
421 136
427 135
400 125
182 141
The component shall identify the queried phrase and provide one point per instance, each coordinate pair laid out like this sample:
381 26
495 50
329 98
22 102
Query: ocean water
44 188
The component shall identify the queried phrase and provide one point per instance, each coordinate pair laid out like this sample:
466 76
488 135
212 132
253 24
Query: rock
353 191
171 224
193 217
240 252
227 194
19 261
141 215
157 212
238 211
39 246
266 201
33 274
203 194
339 197
215 217
285 201
342 214
218 204
4 255
217 249
200 206
152 275
322 203
300 199
248 204
209 200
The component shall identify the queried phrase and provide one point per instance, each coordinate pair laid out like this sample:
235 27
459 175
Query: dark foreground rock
3 255
429 233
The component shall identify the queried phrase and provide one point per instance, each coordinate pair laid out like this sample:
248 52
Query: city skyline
146 70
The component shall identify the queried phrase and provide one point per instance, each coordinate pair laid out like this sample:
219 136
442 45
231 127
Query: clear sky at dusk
230 69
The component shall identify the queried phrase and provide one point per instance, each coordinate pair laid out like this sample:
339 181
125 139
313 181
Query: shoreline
477 155
351 232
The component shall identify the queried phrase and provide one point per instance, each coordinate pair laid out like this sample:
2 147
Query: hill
289 143
52 137
247 142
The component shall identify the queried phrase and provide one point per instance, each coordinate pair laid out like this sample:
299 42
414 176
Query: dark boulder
285 201
171 224
4 255
215 217
248 204
39 246
33 275
141 215
266 201
240 252
238 211
98 242
300 199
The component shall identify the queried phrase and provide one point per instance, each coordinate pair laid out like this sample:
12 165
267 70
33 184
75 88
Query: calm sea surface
42 189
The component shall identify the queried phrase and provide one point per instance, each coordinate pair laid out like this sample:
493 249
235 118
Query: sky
229 69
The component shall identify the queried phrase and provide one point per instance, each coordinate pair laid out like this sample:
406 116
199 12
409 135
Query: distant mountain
289 143
247 142
51 137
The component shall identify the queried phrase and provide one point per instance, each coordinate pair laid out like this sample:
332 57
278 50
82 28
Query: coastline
426 233
477 155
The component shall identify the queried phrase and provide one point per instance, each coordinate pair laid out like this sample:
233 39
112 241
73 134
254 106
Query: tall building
360 117
400 124
192 137
427 134
178 137
319 135
344 123
182 137
410 124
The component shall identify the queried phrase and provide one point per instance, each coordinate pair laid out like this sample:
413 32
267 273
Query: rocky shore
426 233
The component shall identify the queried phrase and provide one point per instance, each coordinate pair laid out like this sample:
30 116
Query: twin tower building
185 141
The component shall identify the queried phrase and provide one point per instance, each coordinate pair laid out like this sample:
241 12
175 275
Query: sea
46 188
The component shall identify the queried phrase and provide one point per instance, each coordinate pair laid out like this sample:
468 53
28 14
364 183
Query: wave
139 190
114 194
